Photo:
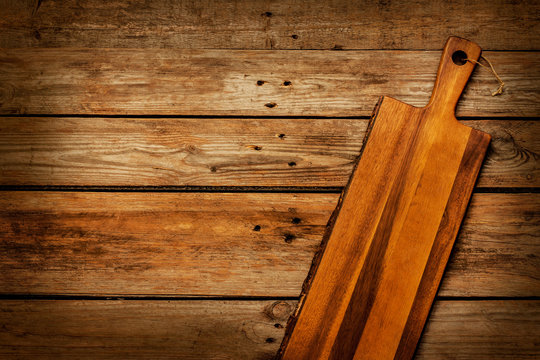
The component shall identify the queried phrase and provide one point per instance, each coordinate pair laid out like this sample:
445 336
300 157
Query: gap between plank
229 189
154 116
244 117
225 298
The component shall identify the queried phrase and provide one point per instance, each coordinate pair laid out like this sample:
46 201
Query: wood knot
192 149
279 310
7 93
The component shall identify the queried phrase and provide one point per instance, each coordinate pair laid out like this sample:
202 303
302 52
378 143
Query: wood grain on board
249 83
235 244
371 286
224 152
216 329
260 24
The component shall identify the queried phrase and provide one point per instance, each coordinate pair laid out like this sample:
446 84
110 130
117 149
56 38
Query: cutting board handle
453 74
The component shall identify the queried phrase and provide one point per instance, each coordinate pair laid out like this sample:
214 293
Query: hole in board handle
459 57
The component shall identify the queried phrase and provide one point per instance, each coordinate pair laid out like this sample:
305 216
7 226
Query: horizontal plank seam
485 298
195 116
248 117
506 190
184 116
142 297
383 49
179 189
229 189
332 49
226 298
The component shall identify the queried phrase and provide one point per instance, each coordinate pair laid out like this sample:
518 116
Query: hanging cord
499 91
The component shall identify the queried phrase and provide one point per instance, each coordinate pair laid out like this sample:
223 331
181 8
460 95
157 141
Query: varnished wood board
229 244
226 82
224 152
369 291
67 329
419 24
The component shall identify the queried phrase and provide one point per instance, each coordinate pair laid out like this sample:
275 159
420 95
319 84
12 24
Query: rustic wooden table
168 168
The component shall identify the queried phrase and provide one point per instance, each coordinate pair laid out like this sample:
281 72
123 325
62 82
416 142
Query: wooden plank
513 153
159 243
252 83
68 329
498 243
248 24
470 330
230 244
141 329
224 152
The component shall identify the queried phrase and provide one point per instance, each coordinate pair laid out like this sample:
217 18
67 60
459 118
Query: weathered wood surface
477 330
247 24
382 258
471 330
141 329
234 244
499 229
224 152
86 243
252 83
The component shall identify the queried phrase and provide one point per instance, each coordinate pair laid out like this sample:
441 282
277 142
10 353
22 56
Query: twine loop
499 90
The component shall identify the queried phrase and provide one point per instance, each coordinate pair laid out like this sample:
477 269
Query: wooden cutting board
371 286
